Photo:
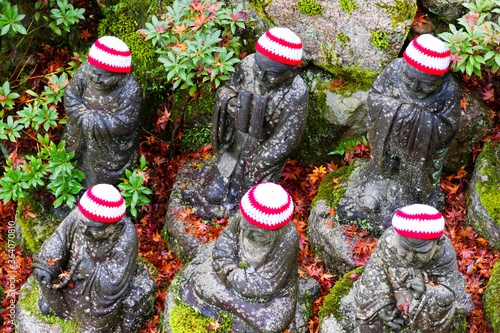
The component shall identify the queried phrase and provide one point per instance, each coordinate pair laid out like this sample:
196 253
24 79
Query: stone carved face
418 252
95 231
270 73
420 85
104 80
255 243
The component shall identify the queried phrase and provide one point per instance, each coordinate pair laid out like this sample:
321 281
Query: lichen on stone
331 303
310 7
379 39
348 6
492 297
488 187
402 11
30 304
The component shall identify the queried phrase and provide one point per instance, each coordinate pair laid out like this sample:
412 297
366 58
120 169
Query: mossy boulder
317 23
483 204
34 223
492 298
325 232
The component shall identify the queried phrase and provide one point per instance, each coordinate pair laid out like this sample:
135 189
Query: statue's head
101 211
419 231
266 209
110 59
278 57
425 69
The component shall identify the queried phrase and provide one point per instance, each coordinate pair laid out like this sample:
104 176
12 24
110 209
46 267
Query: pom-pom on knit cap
418 221
112 54
281 45
267 205
428 54
103 203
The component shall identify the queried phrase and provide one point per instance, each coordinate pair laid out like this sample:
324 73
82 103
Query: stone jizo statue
103 104
250 271
414 114
88 268
257 121
411 280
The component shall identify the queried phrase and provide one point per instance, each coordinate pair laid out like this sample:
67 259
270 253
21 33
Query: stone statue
103 103
414 114
250 271
88 268
411 280
257 121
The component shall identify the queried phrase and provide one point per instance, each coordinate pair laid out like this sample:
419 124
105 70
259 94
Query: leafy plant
6 97
134 193
474 46
346 146
10 19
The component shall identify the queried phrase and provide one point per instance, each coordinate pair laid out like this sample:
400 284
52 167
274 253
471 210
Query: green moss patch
339 290
379 39
492 296
402 11
310 8
30 303
332 191
348 6
489 190
34 230
184 319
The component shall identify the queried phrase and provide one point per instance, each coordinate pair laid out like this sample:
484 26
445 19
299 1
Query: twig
157 138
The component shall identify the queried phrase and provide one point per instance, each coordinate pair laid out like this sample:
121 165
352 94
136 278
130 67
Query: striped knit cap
103 203
112 54
418 221
428 54
267 205
281 45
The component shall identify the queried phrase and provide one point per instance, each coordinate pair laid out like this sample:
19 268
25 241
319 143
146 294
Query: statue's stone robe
103 131
409 137
383 283
262 299
95 300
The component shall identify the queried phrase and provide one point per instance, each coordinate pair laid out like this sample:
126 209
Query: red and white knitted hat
112 54
103 203
281 45
418 221
428 54
267 205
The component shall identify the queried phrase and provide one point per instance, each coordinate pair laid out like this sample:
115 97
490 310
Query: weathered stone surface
328 239
409 134
331 325
449 9
475 124
484 187
420 273
324 29
349 111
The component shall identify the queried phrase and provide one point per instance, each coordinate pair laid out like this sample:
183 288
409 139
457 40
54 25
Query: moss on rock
331 191
403 12
331 303
492 298
348 5
184 319
35 230
488 187
29 302
310 7
379 39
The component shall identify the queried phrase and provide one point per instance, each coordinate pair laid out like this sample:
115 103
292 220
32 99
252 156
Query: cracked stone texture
317 30
476 213
449 9
328 239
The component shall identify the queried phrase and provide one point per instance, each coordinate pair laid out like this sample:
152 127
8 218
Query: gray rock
331 325
449 9
328 239
348 111
321 32
475 124
483 181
